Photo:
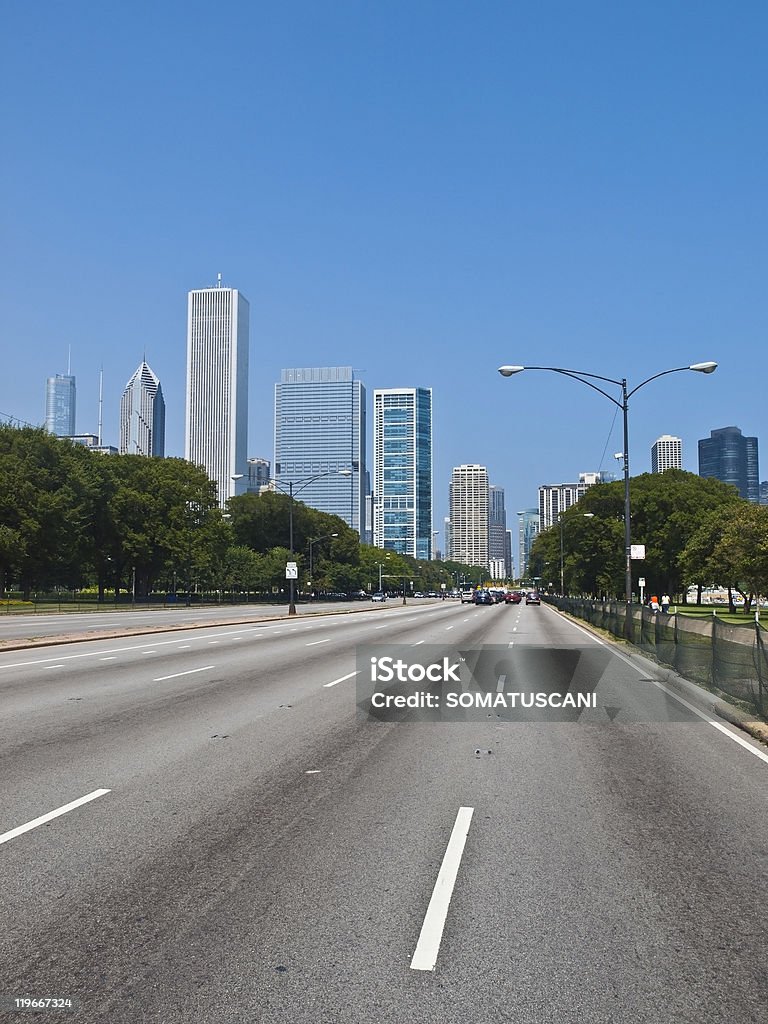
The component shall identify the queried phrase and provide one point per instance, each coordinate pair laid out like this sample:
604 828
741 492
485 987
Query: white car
379 596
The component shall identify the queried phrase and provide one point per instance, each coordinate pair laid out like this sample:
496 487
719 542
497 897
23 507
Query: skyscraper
142 415
729 456
320 430
666 453
216 433
60 394
469 501
402 470
528 527
497 524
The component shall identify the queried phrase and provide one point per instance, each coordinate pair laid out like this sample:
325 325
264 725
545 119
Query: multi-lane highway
251 848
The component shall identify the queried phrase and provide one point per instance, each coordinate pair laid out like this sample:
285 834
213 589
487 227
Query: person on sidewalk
654 603
665 603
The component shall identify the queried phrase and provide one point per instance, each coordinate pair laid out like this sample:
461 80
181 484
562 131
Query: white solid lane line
500 687
189 672
314 643
341 679
430 937
52 814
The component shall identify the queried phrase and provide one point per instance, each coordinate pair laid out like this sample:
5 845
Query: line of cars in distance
475 595
498 595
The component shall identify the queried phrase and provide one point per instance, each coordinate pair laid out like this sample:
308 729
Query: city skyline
350 223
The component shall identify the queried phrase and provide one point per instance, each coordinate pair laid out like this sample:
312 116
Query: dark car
532 597
514 597
483 597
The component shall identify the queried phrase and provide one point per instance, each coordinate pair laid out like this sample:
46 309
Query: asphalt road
265 852
56 624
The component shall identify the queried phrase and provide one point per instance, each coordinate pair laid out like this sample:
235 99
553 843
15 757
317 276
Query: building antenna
218 282
69 360
101 398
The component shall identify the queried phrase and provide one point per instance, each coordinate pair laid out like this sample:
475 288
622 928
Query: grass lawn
735 618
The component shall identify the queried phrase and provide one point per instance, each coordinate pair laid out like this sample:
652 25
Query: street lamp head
588 515
703 367
345 472
237 476
508 371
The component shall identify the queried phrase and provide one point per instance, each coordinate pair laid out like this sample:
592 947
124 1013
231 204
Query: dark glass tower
729 456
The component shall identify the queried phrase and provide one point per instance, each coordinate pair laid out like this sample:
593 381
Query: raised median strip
27 643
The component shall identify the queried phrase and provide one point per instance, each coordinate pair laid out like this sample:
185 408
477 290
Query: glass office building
142 415
320 430
729 456
402 470
60 405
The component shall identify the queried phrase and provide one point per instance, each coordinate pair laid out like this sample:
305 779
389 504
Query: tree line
697 531
73 518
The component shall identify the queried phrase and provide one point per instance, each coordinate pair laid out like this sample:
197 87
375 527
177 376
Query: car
532 597
484 597
514 597
378 596
468 596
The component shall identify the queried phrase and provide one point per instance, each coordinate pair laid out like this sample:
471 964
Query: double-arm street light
291 491
587 378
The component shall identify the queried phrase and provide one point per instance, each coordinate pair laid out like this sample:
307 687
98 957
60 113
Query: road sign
291 570
637 551
641 581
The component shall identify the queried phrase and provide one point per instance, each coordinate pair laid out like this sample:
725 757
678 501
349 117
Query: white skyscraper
666 453
469 501
216 433
142 415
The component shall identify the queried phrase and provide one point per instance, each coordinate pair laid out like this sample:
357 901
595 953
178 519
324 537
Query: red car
514 597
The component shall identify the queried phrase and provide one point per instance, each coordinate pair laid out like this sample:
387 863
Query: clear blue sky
422 190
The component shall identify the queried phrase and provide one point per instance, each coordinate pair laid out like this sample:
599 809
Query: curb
695 694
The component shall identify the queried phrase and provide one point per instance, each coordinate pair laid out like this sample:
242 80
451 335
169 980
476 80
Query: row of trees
696 531
72 518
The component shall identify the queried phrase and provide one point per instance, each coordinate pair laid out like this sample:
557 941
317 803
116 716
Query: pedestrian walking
665 603
654 602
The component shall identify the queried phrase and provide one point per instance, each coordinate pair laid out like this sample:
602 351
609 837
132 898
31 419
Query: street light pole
291 581
587 378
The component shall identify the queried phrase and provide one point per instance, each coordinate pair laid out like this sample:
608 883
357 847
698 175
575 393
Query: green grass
735 618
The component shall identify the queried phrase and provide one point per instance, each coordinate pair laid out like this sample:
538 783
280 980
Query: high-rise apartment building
666 453
320 431
528 526
556 498
509 562
447 552
402 470
469 507
729 456
60 396
216 434
142 415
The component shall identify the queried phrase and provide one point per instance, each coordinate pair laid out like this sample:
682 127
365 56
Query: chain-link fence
732 658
